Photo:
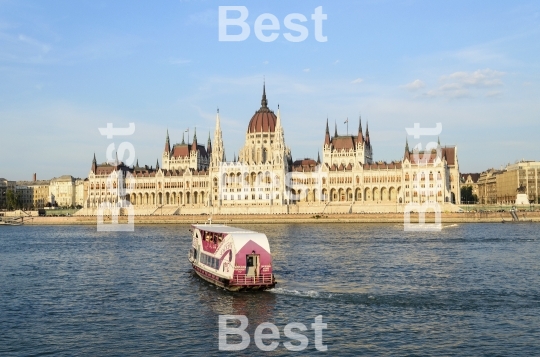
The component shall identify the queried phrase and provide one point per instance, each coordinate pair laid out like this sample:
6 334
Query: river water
470 289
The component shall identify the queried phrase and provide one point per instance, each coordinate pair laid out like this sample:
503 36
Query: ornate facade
195 179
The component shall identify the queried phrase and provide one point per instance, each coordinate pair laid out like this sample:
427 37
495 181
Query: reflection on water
466 290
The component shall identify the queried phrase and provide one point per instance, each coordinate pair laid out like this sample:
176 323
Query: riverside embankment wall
446 218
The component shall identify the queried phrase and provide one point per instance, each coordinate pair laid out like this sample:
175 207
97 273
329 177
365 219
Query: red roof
447 153
183 150
344 142
263 120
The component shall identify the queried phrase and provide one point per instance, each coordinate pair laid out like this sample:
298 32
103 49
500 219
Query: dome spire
264 102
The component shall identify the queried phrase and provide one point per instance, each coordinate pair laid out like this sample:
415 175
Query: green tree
13 200
467 196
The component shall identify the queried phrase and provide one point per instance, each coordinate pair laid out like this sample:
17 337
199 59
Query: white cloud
466 84
307 70
336 61
33 42
495 93
265 62
357 80
480 78
414 85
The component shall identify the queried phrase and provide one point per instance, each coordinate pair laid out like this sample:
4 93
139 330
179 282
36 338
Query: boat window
249 261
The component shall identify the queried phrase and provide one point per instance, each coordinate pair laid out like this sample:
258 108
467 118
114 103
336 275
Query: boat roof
221 228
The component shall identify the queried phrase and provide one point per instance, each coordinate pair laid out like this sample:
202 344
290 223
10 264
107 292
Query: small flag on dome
346 121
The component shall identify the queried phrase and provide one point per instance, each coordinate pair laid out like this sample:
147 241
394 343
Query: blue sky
70 67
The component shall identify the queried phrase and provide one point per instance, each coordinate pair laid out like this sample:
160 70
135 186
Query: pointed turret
183 141
318 158
218 152
278 119
406 154
360 138
218 124
94 164
194 143
368 142
335 133
234 157
209 145
157 164
137 164
167 143
327 134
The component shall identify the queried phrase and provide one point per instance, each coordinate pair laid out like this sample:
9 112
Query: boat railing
244 279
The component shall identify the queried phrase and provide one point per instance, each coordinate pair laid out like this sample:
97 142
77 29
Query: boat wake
450 226
291 292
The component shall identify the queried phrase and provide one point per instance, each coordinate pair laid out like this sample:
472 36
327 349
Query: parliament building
194 178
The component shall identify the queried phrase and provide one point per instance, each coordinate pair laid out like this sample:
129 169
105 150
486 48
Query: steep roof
304 165
447 153
344 142
184 150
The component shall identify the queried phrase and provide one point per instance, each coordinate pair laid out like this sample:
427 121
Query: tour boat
232 258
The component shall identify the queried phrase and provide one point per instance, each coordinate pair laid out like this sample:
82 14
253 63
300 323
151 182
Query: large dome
264 119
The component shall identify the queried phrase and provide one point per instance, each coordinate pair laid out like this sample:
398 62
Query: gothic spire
94 164
264 102
327 134
209 145
360 138
335 133
406 154
194 144
278 120
183 142
167 143
218 125
157 164
367 134
318 157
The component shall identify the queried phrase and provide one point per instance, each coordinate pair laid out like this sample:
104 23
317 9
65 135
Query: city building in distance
501 186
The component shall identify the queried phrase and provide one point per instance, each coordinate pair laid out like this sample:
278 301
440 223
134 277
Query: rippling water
471 289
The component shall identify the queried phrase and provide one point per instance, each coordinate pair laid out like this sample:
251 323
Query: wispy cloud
33 42
306 70
480 78
414 85
465 84
357 81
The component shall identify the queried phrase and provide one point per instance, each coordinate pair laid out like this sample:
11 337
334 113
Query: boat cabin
234 257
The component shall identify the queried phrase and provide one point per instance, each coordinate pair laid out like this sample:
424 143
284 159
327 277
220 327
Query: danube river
468 290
